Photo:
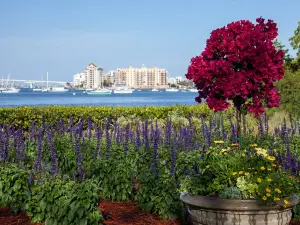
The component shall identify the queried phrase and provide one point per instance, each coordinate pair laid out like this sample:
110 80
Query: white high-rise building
79 79
142 77
94 76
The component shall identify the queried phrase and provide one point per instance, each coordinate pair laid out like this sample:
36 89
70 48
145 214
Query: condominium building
142 77
175 80
92 77
79 79
110 77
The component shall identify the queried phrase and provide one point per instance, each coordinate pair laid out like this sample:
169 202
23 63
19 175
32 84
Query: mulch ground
8 217
114 213
125 213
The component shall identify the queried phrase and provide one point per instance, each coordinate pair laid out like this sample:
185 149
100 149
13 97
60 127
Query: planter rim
215 203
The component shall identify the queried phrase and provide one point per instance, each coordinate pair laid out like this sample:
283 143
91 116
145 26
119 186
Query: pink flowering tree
239 64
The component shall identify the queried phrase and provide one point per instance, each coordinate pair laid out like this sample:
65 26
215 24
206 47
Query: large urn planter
204 210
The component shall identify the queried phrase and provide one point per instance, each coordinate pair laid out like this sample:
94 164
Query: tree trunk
238 124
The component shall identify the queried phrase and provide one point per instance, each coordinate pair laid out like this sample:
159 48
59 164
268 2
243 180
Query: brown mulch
7 217
125 213
114 213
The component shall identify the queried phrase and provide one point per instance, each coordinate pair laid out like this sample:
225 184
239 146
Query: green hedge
23 116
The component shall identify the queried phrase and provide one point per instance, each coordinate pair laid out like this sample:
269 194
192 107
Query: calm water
137 98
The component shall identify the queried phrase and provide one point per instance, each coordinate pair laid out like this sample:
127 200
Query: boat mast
47 80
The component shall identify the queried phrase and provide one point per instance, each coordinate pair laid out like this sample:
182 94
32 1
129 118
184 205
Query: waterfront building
142 77
110 77
79 79
175 80
92 77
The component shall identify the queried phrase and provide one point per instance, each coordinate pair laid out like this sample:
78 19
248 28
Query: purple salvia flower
127 134
37 165
53 153
260 127
90 127
155 153
138 138
224 133
99 136
146 135
107 137
79 157
168 132
266 123
71 127
173 159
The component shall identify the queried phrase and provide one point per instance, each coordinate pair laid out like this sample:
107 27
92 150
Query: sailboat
9 90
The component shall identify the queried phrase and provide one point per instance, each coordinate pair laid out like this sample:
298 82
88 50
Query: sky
63 36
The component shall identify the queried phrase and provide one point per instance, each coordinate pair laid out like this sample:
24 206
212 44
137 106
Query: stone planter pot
204 210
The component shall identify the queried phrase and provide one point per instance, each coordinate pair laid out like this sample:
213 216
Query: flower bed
145 161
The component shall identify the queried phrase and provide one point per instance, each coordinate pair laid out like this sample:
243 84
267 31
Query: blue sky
64 36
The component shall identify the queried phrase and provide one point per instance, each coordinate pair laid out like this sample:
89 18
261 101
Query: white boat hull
123 91
193 90
172 90
10 91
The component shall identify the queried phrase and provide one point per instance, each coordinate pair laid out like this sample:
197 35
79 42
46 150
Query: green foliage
289 89
13 187
295 40
59 202
231 193
159 194
114 174
24 116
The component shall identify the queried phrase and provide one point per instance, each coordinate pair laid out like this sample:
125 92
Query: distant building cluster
143 77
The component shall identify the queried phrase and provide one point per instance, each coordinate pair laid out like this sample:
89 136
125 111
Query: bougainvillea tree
239 64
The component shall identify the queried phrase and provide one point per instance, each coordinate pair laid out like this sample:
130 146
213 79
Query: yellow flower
268 190
253 145
262 168
255 172
276 199
247 174
218 142
258 180
264 198
286 202
241 172
269 179
271 158
275 150
274 165
269 169
243 155
277 190
268 194
234 173
234 145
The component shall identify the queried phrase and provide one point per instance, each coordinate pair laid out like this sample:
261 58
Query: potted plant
240 184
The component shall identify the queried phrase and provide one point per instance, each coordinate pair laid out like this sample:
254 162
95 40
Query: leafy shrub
13 187
59 202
